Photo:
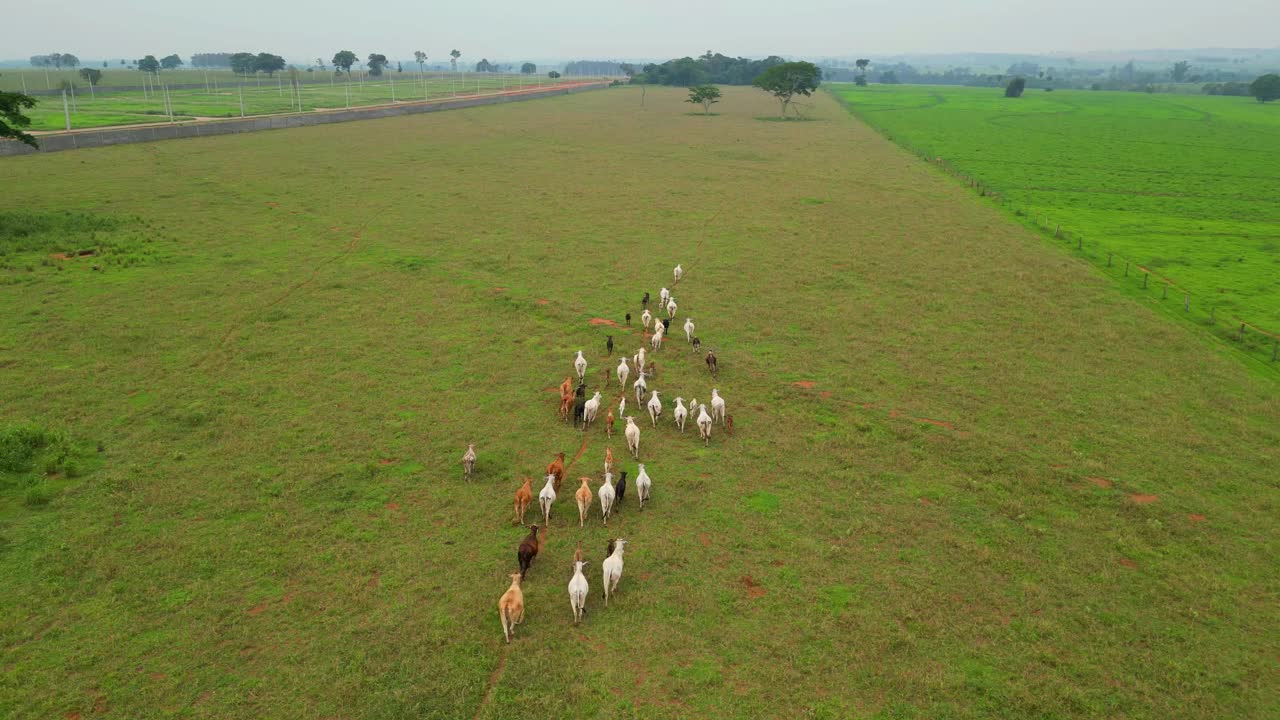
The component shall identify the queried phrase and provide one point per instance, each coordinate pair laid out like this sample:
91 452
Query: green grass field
1184 186
110 107
950 494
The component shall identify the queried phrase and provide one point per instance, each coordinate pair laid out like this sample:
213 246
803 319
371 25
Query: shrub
37 496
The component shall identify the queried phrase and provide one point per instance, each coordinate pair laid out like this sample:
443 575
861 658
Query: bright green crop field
111 107
230 440
1187 187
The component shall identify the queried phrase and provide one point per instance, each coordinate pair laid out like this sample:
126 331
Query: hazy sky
510 31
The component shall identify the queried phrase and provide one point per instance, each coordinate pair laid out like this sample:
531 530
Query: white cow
671 308
633 437
578 590
612 567
580 365
681 413
643 486
688 330
589 410
607 496
717 406
546 498
624 371
704 424
678 273
655 407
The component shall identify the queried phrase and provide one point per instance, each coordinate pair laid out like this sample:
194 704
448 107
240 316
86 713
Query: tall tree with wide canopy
788 80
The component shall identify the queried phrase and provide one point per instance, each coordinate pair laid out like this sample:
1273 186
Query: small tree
453 58
1015 87
343 60
12 119
377 61
268 63
420 57
170 62
1266 88
149 64
553 75
69 60
1180 70
91 75
529 69
705 95
787 80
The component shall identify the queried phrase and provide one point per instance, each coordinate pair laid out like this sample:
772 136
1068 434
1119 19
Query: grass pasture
950 495
263 96
1184 186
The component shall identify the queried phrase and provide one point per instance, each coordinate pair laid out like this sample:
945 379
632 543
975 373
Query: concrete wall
151 133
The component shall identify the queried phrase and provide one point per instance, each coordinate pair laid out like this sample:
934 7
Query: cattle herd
575 406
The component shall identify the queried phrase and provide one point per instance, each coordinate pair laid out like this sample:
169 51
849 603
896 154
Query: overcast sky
537 29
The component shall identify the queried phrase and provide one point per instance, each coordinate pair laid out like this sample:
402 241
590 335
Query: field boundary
123 135
1254 342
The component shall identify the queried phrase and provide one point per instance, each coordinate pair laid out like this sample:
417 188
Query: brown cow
556 467
524 496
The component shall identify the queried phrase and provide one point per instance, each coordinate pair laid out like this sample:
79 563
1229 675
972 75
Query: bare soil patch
1140 499
754 590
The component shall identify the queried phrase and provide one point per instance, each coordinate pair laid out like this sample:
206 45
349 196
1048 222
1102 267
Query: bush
20 444
37 496
1015 87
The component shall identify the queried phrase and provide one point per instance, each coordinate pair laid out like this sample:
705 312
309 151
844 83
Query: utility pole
66 112
241 99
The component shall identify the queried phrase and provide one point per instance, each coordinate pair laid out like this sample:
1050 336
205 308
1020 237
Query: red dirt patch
542 301
705 539
1196 517
500 289
257 609
374 581
753 588
335 228
1100 482
271 204
1127 563
925 501
392 506
73 715
806 384
939 423
1139 499
602 321
158 676
386 461
824 394
777 563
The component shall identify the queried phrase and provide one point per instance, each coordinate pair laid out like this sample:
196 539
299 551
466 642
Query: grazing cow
697 344
622 406
590 410
583 496
469 461
577 553
529 548
645 318
624 371
546 498
606 498
644 301
608 459
666 325
613 570
678 272
671 307
608 345
620 489
628 319
579 412
688 329
655 407
712 364
704 424
524 496
566 387
643 486
578 590
581 390
608 423
663 296
728 424
717 406
640 387
656 340
566 405
511 608
632 434
681 414
556 468
580 365
638 359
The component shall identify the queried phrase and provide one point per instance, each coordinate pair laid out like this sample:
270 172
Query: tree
553 75
320 63
420 57
862 64
1015 87
787 80
484 66
1266 88
242 63
149 64
529 69
1180 69
91 75
69 60
343 61
268 63
454 55
170 62
705 95
377 61
889 77
628 69
11 118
